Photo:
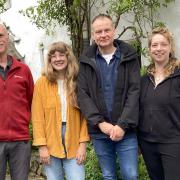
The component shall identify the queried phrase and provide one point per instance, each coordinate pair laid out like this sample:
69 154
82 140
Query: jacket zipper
155 86
4 85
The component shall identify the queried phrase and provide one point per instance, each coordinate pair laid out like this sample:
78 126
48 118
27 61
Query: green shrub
143 70
92 168
143 175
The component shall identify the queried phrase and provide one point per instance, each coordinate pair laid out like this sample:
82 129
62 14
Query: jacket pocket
163 125
50 104
157 122
145 122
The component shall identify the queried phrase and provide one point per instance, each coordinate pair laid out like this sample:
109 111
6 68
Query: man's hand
117 133
105 127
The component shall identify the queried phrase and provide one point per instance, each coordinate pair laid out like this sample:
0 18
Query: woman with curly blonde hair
59 130
159 126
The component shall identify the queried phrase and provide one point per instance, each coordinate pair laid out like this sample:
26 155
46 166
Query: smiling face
59 61
160 49
103 32
3 40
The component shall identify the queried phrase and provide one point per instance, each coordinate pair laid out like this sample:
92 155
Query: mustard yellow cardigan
46 121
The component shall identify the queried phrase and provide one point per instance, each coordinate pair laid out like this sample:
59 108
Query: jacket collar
127 52
176 72
15 63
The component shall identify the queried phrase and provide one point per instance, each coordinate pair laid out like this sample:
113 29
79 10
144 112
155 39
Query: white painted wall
31 37
171 15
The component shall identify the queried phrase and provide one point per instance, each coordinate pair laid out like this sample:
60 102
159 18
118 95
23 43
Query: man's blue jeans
127 152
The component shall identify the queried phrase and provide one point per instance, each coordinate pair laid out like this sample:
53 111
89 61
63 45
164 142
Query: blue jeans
127 152
63 167
60 168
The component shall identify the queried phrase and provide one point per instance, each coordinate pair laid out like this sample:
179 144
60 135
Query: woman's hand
44 155
81 153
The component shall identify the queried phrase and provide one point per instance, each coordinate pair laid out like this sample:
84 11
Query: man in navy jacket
108 93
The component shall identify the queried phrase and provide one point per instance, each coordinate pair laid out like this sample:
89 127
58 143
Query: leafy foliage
2 3
71 13
92 168
143 70
75 14
145 12
143 175
144 17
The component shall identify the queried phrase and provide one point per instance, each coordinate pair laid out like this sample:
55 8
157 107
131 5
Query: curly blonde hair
172 63
71 70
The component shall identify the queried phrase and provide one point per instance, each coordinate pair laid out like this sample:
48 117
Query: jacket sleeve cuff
100 121
123 125
39 142
84 139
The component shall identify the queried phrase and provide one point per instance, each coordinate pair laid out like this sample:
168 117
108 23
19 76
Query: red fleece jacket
15 103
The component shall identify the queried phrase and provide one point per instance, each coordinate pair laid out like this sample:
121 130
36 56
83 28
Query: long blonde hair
71 70
172 63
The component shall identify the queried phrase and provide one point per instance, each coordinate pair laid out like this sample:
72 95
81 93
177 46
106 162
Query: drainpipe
85 37
41 52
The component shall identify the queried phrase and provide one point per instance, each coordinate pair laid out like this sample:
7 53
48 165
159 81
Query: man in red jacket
16 89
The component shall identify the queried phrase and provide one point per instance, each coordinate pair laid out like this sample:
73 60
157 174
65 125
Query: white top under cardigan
62 94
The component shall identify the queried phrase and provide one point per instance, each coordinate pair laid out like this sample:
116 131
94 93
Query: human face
59 61
160 49
103 32
3 40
